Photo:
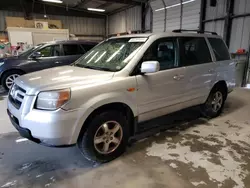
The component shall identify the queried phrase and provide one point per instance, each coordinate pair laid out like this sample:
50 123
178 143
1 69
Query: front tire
9 77
215 102
105 138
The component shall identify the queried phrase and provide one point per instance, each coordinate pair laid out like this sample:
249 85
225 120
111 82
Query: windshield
29 51
111 55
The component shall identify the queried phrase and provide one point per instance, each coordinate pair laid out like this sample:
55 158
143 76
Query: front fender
6 69
97 101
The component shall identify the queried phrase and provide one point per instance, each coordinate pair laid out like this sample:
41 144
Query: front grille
16 96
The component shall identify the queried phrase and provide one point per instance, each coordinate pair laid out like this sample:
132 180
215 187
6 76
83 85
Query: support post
202 15
228 21
143 17
165 17
181 15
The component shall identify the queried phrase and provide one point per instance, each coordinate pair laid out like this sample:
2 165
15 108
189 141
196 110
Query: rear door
71 52
200 69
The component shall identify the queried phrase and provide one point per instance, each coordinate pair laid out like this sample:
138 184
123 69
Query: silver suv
99 101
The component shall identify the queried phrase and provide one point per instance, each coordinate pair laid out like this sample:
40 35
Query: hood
12 60
60 78
9 58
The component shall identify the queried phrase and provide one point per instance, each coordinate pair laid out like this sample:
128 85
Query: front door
162 89
50 57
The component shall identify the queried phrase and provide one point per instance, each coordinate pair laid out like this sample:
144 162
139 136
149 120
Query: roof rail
198 31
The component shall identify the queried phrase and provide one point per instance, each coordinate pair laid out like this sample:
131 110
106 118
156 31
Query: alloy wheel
108 137
10 80
217 101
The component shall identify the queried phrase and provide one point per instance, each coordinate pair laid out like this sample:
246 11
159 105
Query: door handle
211 70
58 62
178 77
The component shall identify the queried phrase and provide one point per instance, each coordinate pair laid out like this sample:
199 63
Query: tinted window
30 51
73 49
194 50
164 51
50 51
220 49
88 47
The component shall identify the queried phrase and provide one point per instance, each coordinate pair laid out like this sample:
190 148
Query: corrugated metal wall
217 26
191 14
158 16
215 12
3 14
240 35
187 17
127 20
76 25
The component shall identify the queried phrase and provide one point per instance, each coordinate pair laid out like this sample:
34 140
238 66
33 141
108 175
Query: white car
98 102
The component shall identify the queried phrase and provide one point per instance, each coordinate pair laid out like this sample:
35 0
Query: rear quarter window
219 48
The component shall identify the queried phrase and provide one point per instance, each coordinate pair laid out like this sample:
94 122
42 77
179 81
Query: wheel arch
9 70
222 84
119 106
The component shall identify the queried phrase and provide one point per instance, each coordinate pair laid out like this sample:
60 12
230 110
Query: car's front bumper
52 128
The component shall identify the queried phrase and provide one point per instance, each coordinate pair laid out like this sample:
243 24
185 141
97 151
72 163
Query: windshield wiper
103 68
94 68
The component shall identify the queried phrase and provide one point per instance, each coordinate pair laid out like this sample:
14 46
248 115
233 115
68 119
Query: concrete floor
195 153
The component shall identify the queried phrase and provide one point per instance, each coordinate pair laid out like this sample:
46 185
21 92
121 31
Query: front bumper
51 128
23 132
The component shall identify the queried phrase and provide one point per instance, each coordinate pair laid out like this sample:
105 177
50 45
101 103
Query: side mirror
150 67
36 55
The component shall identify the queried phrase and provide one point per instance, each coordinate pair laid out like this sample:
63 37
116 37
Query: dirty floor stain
219 149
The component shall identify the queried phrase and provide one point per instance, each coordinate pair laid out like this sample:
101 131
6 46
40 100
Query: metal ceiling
109 6
69 7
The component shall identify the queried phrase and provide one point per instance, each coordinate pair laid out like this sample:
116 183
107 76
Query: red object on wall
241 51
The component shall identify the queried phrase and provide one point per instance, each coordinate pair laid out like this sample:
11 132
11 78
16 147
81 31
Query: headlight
52 100
1 63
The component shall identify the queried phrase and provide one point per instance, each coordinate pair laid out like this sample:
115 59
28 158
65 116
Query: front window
30 51
111 55
50 51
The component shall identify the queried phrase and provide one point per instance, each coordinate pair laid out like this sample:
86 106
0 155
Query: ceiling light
53 1
96 9
175 5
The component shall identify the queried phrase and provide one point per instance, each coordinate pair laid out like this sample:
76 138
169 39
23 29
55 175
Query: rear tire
9 77
215 102
102 130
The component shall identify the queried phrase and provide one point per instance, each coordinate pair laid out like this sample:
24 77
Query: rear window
73 49
219 48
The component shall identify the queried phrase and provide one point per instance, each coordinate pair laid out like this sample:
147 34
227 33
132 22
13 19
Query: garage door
172 14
